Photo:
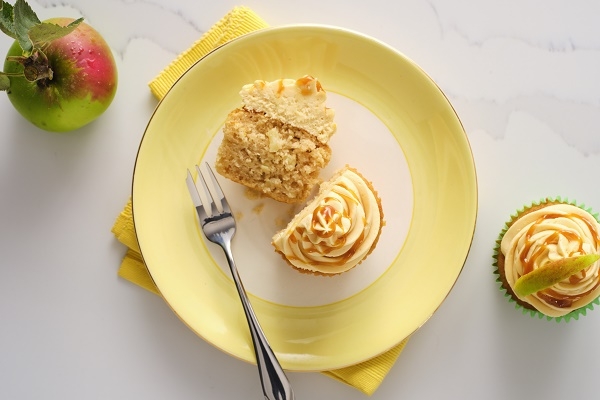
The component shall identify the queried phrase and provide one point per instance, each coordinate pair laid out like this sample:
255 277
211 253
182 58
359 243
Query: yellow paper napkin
366 376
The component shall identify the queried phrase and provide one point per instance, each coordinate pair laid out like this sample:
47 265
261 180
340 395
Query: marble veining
494 58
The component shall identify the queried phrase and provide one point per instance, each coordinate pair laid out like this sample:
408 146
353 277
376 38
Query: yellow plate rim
296 361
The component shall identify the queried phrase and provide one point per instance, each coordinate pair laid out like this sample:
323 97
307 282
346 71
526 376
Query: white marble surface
523 77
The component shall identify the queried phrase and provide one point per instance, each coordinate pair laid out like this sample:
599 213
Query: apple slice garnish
552 273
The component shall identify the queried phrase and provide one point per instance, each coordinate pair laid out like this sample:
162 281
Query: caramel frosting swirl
336 230
548 234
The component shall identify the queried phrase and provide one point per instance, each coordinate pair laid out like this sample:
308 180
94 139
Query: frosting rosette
544 234
337 230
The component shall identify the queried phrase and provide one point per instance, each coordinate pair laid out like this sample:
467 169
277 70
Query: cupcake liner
575 314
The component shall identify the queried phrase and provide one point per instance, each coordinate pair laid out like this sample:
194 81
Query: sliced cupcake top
299 103
337 229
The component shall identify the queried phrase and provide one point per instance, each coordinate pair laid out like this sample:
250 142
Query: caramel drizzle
331 262
329 219
304 84
549 295
332 219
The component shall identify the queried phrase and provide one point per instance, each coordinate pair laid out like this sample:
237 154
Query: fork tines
210 197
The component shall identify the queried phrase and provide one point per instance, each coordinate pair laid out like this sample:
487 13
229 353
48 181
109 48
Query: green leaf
45 32
6 19
25 19
4 82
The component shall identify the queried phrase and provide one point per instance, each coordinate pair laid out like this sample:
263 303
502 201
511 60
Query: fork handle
274 382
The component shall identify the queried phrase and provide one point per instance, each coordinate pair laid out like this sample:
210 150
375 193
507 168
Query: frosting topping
336 230
548 234
298 102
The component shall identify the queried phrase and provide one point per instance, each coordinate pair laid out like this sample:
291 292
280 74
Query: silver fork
218 224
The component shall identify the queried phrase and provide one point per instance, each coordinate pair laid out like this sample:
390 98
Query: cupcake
547 259
336 230
277 142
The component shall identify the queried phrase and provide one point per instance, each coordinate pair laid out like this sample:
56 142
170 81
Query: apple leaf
24 19
6 19
4 82
46 32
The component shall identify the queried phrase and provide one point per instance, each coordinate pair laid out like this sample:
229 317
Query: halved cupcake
335 231
277 142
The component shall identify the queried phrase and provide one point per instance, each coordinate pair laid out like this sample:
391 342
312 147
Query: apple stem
35 67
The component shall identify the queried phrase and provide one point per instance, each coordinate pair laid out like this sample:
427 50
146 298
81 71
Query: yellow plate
394 125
